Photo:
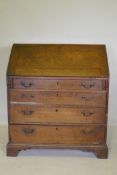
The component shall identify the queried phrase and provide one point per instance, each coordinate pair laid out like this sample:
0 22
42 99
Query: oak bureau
58 97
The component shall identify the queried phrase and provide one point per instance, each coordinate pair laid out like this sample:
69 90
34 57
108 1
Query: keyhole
56 110
32 96
57 94
56 129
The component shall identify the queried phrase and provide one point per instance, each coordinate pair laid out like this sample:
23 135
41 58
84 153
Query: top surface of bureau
57 60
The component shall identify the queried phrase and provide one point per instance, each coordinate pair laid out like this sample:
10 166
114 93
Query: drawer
55 114
57 84
56 97
36 134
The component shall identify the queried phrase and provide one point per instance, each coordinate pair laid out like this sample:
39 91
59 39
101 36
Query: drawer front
56 97
35 134
55 114
58 84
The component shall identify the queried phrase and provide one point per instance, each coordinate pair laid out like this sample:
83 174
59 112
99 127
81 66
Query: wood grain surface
58 60
56 114
36 134
58 97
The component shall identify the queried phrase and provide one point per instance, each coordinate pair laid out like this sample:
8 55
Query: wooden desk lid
58 60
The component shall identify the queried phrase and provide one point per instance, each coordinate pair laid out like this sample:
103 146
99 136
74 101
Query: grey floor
67 162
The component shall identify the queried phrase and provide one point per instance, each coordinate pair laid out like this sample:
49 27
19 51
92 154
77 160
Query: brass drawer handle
28 130
26 85
87 114
57 94
87 86
87 98
27 112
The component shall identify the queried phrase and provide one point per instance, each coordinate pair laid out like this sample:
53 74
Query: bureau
58 97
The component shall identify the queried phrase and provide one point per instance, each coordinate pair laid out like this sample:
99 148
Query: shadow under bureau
58 97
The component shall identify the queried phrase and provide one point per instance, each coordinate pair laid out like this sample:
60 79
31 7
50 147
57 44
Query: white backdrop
58 21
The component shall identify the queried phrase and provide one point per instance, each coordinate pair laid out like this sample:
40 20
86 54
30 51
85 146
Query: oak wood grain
93 99
36 134
57 114
58 83
58 97
58 60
